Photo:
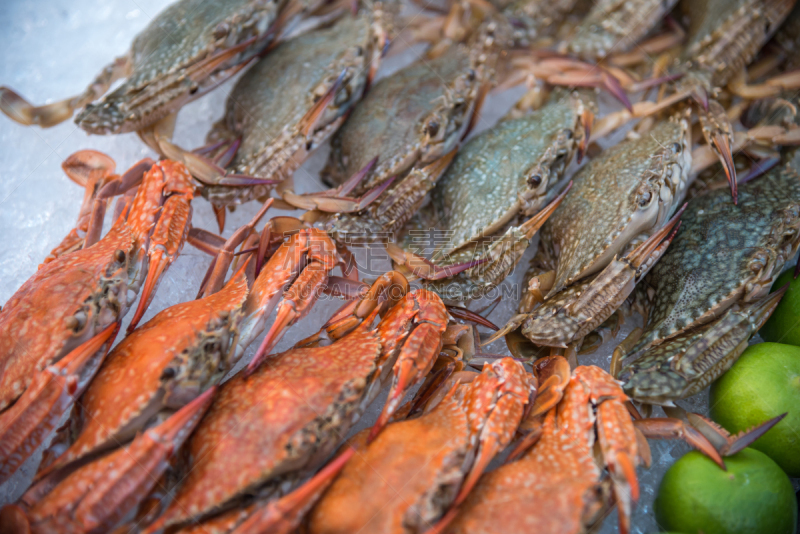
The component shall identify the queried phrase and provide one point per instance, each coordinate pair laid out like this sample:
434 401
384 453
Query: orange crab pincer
26 424
189 347
159 368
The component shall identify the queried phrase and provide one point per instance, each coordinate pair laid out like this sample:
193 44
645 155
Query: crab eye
168 373
645 198
471 75
676 148
568 133
432 128
359 51
535 180
119 255
221 30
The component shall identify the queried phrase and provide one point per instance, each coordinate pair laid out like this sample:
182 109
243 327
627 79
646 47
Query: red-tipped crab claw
303 263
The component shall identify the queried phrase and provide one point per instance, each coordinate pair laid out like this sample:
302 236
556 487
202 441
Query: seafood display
339 368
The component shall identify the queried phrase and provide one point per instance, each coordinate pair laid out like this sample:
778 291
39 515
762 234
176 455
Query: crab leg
20 110
618 442
330 201
670 428
99 494
37 412
91 170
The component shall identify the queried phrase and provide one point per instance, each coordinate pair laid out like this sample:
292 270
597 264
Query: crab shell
268 107
535 18
507 170
165 74
615 26
162 365
410 118
629 190
283 419
725 257
405 480
98 495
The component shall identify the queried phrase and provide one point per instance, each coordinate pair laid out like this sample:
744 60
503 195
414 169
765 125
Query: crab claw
99 494
205 170
463 314
331 204
673 428
284 515
308 123
29 421
419 351
655 245
408 371
165 245
426 269
700 95
722 441
510 392
302 294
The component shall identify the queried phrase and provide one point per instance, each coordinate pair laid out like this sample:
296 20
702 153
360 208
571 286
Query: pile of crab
675 208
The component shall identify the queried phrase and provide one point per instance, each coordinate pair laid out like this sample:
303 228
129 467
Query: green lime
764 383
784 325
754 496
